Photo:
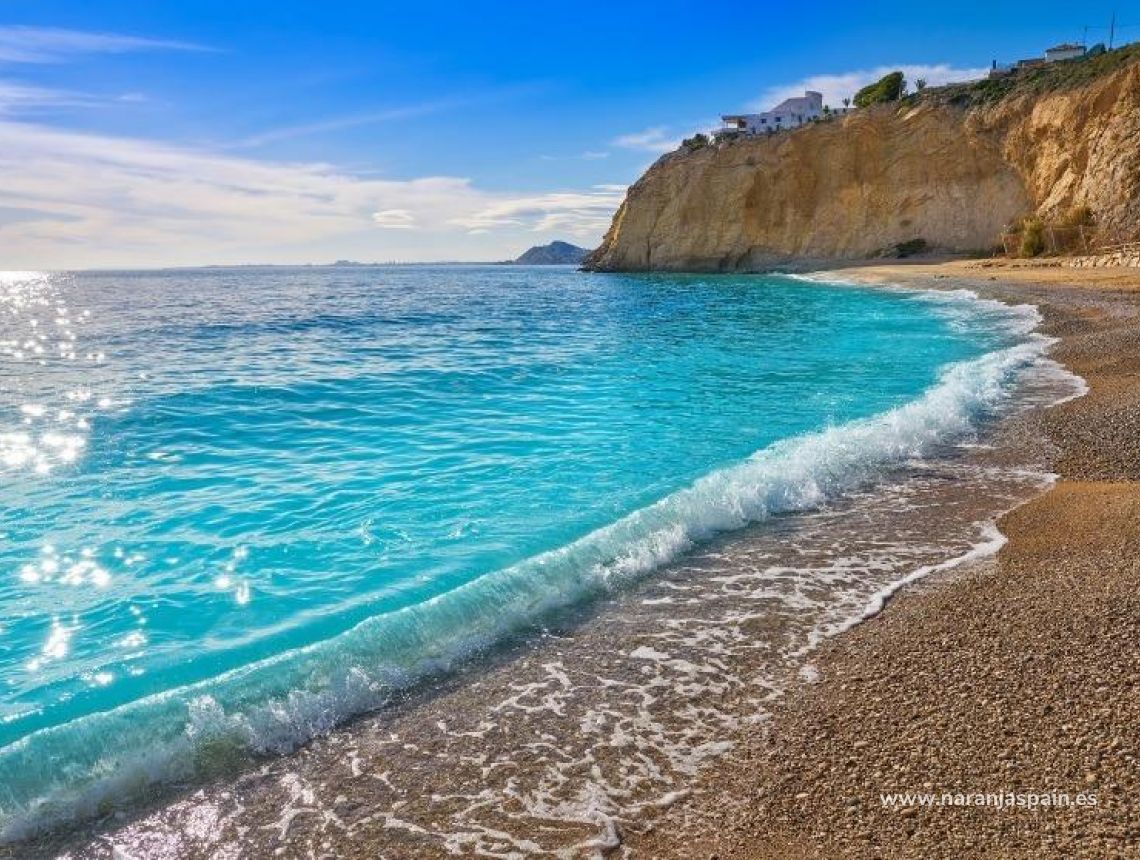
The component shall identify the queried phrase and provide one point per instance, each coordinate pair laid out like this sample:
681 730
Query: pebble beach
1015 676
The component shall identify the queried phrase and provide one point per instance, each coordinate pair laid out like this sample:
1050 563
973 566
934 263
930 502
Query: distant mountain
554 254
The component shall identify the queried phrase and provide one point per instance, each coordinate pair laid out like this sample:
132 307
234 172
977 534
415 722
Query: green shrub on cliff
1035 80
697 141
888 88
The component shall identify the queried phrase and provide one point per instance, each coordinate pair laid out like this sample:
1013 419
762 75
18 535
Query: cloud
16 97
582 213
836 87
29 100
372 117
95 200
656 139
662 138
19 44
342 122
394 219
588 155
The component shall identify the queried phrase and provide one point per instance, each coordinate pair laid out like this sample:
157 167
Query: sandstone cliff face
883 176
1077 148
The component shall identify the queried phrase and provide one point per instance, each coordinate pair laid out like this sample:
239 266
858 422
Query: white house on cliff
790 113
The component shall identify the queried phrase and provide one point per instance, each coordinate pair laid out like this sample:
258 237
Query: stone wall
1126 256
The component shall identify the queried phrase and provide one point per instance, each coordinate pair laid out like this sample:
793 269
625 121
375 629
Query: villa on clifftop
790 113
1056 54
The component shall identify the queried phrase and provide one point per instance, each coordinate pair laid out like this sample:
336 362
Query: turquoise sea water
240 505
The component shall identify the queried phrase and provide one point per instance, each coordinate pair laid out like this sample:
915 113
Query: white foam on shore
1059 385
992 541
77 769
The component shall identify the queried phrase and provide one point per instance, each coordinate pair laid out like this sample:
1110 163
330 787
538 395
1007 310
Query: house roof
799 104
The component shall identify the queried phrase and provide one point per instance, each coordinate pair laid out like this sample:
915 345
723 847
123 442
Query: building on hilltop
790 113
1065 51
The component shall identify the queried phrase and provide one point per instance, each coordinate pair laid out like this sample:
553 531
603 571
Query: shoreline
319 770
514 759
1013 676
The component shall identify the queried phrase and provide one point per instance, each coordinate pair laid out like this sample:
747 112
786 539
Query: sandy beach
1018 676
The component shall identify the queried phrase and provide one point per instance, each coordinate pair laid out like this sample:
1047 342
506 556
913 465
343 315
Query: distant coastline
557 253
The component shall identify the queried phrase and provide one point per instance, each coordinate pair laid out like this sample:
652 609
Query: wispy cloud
389 114
394 219
655 139
20 44
587 155
581 213
17 97
662 138
841 85
99 200
342 122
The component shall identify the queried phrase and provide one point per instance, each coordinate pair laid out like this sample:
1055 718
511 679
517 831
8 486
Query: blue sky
152 133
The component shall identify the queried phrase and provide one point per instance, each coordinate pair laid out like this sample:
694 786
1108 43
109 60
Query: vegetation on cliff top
888 88
1034 80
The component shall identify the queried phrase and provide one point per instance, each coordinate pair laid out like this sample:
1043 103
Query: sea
509 552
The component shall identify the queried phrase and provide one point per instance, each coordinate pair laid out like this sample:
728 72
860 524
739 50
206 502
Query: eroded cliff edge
948 169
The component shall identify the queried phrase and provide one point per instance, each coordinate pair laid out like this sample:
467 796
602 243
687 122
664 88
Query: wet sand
1020 675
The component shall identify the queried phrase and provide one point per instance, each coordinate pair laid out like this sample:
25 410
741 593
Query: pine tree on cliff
888 88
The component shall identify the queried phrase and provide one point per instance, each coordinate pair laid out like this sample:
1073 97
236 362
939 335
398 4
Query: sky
142 134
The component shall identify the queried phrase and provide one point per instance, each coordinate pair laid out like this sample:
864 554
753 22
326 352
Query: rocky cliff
951 167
